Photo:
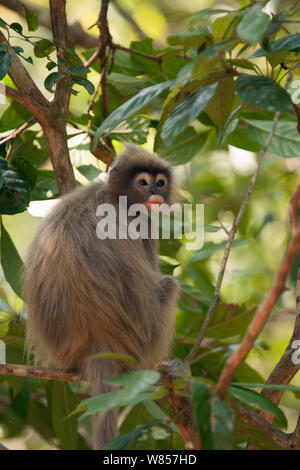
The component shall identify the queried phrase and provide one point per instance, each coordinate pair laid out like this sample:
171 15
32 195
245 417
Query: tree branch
282 439
60 37
52 116
55 128
263 311
156 58
20 370
231 236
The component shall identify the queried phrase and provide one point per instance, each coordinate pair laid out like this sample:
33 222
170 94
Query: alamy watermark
2 94
177 221
2 352
296 354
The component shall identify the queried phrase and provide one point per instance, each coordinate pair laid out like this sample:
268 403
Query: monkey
87 295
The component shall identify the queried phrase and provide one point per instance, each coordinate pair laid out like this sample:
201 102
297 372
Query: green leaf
126 84
83 82
89 171
220 105
133 130
240 138
23 166
31 147
222 46
77 70
229 320
210 248
253 24
264 93
184 148
14 116
11 262
2 23
256 400
111 355
137 386
191 38
5 318
5 64
18 49
286 388
186 112
285 141
32 19
200 15
16 27
52 79
130 107
46 186
125 440
18 181
222 424
224 27
62 402
28 59
43 48
243 64
157 413
39 418
288 43
201 398
51 65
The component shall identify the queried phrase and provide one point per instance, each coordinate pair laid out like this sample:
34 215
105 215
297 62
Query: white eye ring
161 180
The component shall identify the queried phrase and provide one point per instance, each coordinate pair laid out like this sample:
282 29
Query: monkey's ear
112 171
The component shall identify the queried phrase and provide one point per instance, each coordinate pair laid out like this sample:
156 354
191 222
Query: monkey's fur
86 295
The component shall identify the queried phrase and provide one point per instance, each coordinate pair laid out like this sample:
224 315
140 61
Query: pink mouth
154 201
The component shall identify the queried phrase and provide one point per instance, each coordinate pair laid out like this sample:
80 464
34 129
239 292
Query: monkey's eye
143 182
160 182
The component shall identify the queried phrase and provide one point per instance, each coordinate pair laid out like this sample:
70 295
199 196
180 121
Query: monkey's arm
168 291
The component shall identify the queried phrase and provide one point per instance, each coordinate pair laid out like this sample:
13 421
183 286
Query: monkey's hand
168 288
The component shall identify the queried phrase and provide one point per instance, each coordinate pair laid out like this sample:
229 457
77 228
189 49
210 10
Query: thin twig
15 133
224 228
128 18
156 58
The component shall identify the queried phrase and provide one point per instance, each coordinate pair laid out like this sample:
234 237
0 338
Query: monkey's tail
106 428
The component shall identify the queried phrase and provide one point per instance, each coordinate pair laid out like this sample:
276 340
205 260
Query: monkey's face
149 189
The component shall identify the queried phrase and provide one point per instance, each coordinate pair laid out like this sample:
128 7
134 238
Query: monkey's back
87 295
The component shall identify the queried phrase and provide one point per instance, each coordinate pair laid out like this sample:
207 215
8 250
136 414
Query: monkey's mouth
154 202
